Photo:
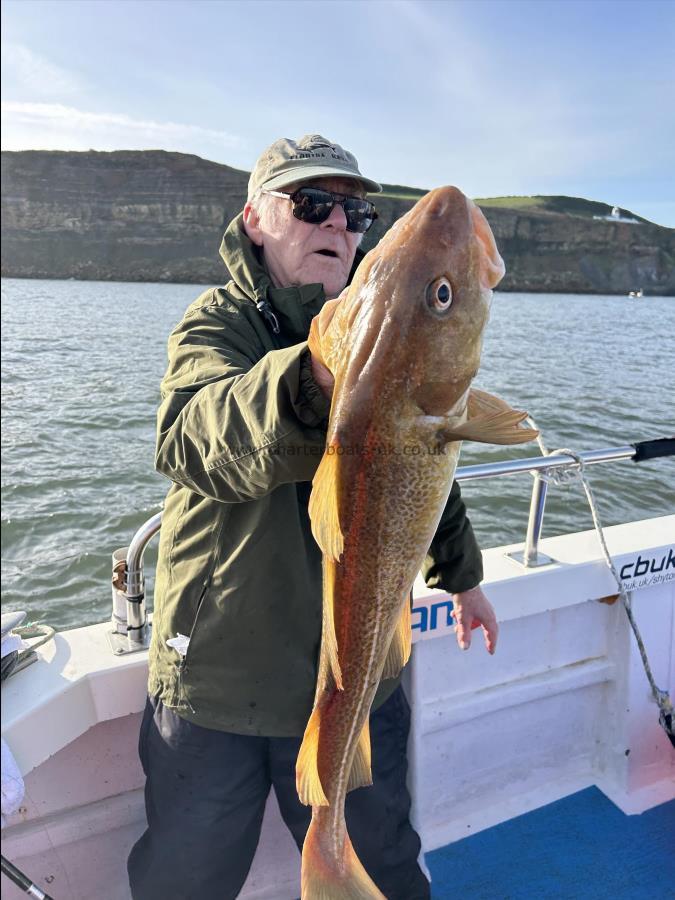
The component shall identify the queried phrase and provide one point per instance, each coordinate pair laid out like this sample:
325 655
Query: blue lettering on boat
428 616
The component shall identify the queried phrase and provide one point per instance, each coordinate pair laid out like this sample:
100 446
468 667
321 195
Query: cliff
158 216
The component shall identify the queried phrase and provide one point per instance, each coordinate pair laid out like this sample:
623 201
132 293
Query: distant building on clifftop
615 216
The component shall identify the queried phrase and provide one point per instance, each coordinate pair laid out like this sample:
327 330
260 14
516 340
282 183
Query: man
237 623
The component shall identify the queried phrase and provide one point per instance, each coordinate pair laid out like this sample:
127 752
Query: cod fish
403 346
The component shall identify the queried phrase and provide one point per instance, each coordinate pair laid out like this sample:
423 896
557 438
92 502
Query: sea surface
81 366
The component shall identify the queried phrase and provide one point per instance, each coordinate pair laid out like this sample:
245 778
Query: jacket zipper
183 665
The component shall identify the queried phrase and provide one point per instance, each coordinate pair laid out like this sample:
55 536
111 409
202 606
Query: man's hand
472 609
323 377
321 373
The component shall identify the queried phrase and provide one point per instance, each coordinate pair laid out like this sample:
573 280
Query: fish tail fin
327 877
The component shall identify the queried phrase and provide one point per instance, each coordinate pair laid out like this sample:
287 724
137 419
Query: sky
500 97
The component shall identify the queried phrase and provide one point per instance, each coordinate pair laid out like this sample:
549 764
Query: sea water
81 366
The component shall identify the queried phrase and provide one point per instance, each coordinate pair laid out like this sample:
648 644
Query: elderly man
237 625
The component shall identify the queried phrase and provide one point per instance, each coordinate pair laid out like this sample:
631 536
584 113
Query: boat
564 706
636 294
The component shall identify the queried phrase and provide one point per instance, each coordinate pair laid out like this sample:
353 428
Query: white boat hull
564 704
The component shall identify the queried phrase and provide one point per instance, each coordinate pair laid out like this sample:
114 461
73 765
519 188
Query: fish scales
403 346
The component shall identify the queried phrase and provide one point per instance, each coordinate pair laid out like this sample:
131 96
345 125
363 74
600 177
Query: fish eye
439 295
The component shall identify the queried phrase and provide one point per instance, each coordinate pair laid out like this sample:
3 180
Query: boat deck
578 848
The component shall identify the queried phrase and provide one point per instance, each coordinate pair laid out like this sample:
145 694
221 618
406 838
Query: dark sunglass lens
360 215
312 205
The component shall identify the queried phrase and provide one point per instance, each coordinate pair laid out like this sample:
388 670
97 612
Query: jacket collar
293 307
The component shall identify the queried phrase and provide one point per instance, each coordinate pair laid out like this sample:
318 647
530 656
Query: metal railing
129 616
540 468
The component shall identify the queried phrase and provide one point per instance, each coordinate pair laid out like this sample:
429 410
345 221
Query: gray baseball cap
313 156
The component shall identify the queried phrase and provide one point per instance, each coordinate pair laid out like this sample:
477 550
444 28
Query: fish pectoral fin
399 649
307 780
361 773
323 505
490 421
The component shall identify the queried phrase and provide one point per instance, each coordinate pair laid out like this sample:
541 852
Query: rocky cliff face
157 216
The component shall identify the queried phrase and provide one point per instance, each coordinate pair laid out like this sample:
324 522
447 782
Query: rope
569 473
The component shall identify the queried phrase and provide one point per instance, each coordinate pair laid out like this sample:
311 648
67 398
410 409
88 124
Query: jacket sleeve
231 427
454 562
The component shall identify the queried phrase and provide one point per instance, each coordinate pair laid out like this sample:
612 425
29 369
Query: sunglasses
314 205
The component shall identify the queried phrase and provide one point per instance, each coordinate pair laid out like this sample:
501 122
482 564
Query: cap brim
307 173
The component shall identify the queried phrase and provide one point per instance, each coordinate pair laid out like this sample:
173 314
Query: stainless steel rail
137 629
543 463
540 466
136 618
131 630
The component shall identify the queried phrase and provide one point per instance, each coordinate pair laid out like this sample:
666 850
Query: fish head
415 313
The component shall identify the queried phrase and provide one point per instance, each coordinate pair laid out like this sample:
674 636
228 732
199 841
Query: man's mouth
330 253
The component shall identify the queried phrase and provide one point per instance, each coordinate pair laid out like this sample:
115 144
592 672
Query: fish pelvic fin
325 877
307 780
361 773
491 421
323 505
399 649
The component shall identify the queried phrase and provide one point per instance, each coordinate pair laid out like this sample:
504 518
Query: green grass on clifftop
574 206
401 192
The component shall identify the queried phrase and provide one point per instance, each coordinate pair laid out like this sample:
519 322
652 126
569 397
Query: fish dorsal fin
323 504
399 649
491 421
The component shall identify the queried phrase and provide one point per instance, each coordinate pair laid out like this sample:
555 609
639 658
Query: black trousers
205 796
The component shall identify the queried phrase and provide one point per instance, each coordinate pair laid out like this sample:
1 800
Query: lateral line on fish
342 773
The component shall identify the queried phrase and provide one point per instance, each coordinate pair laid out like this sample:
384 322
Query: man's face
298 253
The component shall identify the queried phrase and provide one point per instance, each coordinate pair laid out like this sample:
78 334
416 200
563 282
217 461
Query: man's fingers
323 377
314 340
325 317
472 609
490 632
487 622
462 628
319 327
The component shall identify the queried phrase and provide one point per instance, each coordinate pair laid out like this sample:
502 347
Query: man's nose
337 219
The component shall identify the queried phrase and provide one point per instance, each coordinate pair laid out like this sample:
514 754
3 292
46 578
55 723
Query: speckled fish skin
403 368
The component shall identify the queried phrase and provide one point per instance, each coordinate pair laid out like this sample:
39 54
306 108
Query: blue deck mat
578 848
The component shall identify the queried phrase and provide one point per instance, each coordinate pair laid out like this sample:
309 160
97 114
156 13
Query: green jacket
240 432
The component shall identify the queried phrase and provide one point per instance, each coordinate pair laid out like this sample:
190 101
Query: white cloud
28 71
53 126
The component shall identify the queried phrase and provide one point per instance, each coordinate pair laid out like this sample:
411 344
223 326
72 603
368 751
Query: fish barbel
403 346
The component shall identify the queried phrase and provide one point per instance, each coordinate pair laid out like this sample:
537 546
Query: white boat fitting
563 705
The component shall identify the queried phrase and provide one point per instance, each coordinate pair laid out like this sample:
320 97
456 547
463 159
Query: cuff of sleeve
454 580
313 405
